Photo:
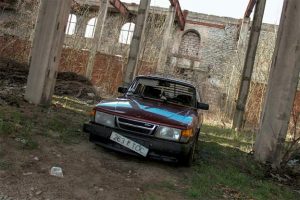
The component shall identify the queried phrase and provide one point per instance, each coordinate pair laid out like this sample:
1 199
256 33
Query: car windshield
164 90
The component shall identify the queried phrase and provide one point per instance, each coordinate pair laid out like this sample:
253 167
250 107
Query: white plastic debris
293 162
91 94
56 171
27 173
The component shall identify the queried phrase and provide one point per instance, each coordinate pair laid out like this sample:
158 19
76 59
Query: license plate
124 141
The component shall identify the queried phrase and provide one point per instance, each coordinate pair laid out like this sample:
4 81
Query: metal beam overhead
250 8
120 7
179 14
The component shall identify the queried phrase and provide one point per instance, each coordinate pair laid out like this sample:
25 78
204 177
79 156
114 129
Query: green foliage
224 171
4 165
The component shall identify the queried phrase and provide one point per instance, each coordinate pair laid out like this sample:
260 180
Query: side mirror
202 106
122 90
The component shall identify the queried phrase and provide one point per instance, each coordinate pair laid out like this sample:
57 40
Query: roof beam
250 8
179 14
120 7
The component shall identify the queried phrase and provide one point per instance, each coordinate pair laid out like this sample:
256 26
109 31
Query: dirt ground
90 172
34 139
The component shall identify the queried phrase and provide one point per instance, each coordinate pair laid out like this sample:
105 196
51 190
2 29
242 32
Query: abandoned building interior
110 42
209 50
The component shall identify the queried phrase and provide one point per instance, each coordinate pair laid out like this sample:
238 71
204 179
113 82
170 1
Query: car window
172 92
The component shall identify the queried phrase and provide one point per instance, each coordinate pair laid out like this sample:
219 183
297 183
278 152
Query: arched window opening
71 26
126 33
90 28
190 44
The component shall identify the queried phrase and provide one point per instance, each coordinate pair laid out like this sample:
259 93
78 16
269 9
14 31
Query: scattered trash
27 173
56 171
23 141
38 192
293 162
91 95
36 158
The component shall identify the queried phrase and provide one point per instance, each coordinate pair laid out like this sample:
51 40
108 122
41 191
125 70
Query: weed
224 170
5 165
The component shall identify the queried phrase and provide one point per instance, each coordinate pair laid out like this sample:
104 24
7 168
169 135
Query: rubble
13 79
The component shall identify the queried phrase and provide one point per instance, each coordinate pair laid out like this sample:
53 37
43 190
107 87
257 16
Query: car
156 117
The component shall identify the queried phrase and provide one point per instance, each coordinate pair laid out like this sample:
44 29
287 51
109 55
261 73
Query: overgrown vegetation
58 122
225 171
224 168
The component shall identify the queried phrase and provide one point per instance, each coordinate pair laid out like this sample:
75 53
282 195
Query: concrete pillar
137 42
97 37
243 40
46 50
163 54
282 86
249 64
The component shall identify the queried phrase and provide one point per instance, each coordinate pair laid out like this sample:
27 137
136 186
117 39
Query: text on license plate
124 141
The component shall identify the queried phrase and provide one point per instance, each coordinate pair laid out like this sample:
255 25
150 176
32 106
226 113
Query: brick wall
255 102
190 44
108 69
11 47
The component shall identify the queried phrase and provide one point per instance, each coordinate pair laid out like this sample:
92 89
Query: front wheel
188 160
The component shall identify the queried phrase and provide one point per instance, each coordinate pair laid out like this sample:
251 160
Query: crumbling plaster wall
212 68
217 55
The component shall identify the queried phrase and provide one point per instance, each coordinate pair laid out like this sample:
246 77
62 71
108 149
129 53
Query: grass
61 122
224 170
4 165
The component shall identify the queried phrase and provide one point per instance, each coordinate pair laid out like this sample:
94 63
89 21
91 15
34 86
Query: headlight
105 119
168 133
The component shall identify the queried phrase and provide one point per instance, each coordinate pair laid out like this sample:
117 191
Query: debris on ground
13 79
56 171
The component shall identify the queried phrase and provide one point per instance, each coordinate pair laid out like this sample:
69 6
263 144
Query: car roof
172 79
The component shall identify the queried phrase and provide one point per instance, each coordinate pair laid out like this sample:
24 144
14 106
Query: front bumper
158 148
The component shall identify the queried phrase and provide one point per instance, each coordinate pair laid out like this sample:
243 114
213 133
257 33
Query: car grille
135 126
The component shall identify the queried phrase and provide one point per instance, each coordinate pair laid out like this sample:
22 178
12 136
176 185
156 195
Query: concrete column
243 40
97 37
137 42
163 54
282 86
46 50
249 63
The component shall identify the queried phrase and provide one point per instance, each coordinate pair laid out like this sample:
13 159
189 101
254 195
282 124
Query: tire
189 159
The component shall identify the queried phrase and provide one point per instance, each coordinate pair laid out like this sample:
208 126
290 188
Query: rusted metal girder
250 8
120 7
179 14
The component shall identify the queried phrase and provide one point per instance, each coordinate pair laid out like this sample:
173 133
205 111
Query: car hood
150 111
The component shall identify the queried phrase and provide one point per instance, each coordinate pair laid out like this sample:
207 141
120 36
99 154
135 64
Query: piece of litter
36 158
56 171
38 192
27 173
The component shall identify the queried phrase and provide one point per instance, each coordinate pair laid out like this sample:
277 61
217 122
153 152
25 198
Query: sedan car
156 117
